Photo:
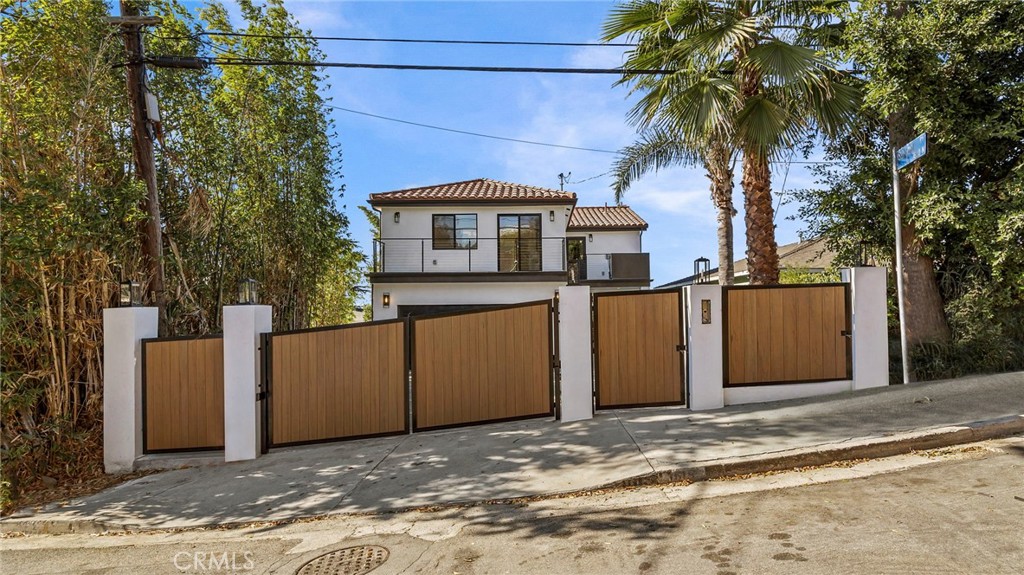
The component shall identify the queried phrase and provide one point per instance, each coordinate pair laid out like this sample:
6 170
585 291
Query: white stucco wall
123 331
408 245
457 294
243 325
577 395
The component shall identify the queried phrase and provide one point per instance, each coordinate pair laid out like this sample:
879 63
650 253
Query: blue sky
572 110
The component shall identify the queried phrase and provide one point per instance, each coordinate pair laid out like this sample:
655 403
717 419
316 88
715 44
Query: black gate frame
680 348
265 392
847 333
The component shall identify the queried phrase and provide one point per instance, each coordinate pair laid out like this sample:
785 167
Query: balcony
502 259
622 268
486 255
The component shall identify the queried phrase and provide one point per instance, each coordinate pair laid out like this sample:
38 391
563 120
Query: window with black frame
519 243
454 232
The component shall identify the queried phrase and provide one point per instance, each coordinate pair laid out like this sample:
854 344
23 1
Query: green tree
753 73
247 178
953 69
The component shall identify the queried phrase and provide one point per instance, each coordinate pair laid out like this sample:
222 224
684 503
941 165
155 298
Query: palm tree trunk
717 162
762 251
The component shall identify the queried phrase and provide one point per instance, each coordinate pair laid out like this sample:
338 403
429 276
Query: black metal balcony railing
507 255
405 255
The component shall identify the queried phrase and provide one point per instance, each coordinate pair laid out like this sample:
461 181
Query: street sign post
908 154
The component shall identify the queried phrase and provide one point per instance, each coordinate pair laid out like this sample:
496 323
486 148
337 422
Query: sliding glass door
519 243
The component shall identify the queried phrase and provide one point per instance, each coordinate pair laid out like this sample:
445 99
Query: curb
873 448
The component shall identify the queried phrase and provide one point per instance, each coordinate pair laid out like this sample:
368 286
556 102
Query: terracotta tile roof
606 218
474 191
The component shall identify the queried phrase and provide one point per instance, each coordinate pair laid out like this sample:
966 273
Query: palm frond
779 63
655 149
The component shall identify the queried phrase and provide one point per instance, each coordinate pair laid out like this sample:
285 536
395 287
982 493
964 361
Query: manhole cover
347 561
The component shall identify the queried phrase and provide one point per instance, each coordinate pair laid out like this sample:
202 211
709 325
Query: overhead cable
398 40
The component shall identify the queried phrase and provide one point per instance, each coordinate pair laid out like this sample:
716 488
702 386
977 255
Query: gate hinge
681 347
261 396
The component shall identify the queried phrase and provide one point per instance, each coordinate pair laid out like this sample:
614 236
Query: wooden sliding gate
182 394
786 334
414 374
483 366
334 383
638 348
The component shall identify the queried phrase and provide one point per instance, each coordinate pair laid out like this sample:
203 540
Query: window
455 232
519 243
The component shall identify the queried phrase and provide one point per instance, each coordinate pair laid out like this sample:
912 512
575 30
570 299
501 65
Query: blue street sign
914 150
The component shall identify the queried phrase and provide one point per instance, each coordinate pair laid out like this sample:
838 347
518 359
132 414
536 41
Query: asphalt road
959 510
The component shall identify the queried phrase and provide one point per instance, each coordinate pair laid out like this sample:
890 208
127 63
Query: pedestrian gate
638 348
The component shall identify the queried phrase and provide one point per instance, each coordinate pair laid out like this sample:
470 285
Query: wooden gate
638 350
786 334
182 394
483 366
341 382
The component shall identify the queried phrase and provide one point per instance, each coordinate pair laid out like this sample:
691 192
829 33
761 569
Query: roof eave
477 202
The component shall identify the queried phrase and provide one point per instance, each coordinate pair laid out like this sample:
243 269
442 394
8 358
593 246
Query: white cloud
320 17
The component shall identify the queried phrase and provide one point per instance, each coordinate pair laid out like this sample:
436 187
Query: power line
399 40
222 61
477 134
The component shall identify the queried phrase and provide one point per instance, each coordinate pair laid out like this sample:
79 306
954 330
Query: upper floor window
454 232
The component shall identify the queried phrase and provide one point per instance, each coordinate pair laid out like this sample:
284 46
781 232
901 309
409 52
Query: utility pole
150 236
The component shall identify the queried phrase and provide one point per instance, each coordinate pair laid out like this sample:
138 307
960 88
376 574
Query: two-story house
482 242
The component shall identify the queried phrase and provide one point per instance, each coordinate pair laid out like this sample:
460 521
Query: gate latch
681 347
261 396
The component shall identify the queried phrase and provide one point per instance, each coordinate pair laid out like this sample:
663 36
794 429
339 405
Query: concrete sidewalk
540 457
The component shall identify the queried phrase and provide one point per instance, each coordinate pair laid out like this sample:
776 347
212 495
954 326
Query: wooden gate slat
637 361
184 394
786 334
482 366
338 383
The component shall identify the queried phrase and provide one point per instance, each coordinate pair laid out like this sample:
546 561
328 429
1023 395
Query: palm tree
748 72
656 149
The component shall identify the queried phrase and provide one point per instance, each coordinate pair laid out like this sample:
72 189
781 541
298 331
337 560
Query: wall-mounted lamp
247 294
551 216
398 216
131 294
385 300
590 237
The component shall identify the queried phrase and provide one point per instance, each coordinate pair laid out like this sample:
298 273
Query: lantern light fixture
386 300
701 270
247 294
551 215
398 216
130 294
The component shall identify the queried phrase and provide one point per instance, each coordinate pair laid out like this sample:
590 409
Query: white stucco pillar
704 346
869 326
243 325
577 395
124 328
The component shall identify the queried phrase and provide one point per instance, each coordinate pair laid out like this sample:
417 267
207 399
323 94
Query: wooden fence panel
337 383
637 356
475 367
183 394
786 334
